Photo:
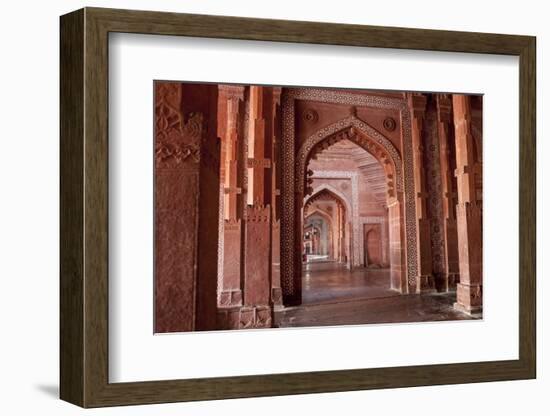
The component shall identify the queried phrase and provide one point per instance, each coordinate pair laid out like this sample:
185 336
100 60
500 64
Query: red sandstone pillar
385 240
257 283
186 206
424 278
448 192
341 237
276 177
396 226
231 131
296 297
469 221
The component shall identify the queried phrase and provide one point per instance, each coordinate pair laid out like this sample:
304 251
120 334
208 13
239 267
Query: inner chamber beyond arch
337 219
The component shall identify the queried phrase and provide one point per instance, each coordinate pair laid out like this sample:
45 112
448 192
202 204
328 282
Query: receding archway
317 237
338 219
358 132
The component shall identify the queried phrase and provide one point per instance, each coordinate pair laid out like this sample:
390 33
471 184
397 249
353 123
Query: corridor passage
333 295
330 281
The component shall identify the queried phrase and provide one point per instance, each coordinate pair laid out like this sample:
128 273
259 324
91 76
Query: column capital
461 108
231 91
444 108
277 95
417 104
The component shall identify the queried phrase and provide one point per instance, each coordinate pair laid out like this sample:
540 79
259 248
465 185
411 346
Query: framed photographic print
256 207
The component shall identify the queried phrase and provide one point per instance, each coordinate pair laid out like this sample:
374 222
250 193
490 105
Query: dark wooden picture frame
84 207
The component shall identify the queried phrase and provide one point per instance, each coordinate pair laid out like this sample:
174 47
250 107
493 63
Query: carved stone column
469 221
231 130
448 190
186 206
276 176
257 283
385 240
341 233
396 251
424 279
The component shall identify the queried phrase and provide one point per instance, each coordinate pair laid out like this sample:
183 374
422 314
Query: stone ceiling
345 152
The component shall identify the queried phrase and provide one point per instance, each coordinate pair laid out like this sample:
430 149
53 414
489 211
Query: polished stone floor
327 281
333 295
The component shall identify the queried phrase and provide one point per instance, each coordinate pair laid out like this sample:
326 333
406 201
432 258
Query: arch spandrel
362 134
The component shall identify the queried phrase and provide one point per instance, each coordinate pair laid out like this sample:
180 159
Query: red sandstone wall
312 116
186 206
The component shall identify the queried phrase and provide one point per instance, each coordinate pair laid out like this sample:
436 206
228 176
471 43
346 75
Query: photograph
291 206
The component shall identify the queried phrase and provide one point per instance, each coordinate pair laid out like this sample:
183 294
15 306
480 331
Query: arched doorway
354 130
318 224
336 210
317 238
372 246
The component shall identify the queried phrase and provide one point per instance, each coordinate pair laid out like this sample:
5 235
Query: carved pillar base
448 282
425 284
468 298
277 297
232 297
276 291
245 317
228 318
255 317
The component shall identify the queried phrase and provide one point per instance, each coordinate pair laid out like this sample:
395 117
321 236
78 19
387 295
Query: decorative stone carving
389 124
257 317
348 129
186 184
310 116
424 278
434 207
447 160
290 260
176 141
